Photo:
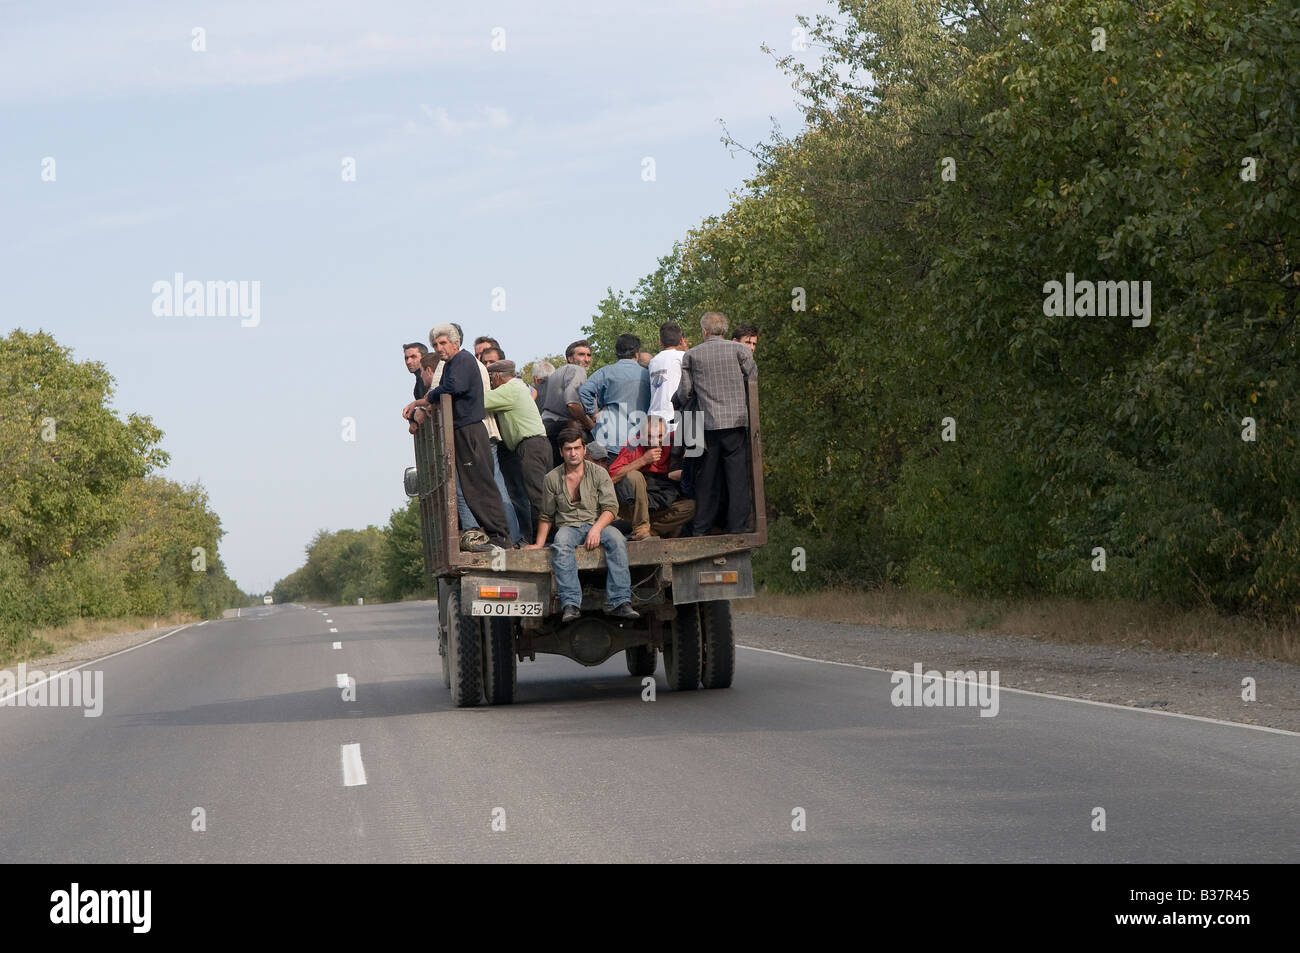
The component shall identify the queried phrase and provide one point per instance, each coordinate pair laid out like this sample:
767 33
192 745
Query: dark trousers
725 464
524 469
474 465
553 427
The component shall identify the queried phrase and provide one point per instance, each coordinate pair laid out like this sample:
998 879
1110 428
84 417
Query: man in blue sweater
462 379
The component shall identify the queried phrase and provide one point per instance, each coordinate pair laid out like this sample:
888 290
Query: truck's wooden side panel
434 453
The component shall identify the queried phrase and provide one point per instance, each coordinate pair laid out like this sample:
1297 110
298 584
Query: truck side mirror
411 482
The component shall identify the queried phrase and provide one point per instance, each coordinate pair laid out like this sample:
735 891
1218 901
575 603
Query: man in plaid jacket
717 373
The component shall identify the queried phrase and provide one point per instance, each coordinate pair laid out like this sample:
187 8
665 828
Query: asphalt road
245 719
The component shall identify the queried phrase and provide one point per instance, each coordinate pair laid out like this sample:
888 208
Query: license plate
505 608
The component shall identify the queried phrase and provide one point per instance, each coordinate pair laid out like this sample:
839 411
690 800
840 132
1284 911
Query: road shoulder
96 648
1206 685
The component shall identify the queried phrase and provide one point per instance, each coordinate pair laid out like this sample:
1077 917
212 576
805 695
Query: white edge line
1063 698
354 772
64 671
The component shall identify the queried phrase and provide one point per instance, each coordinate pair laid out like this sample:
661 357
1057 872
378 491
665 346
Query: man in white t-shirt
666 371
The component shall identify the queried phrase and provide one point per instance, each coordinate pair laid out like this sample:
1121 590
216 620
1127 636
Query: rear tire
682 650
442 653
499 663
463 655
718 666
641 660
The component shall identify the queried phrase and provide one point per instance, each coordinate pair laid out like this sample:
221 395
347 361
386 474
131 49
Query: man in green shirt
578 497
525 453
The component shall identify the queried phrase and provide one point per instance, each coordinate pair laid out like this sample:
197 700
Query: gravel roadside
1193 684
96 648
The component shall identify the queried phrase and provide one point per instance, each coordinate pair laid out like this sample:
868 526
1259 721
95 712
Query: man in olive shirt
525 453
579 498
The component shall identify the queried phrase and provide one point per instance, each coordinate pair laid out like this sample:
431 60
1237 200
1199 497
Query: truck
497 609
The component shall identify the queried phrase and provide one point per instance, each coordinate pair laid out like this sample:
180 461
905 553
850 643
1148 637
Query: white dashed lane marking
354 772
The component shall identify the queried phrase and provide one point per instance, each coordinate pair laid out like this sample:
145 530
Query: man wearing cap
525 452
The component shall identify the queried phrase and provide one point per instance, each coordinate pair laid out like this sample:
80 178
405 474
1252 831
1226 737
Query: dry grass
1068 621
48 641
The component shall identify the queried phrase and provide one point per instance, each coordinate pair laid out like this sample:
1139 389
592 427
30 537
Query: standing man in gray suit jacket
717 372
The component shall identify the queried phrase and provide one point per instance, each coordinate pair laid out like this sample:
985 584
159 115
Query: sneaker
571 614
625 611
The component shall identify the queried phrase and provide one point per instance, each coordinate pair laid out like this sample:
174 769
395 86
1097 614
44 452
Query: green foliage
829 560
341 567
403 560
555 360
85 530
923 299
64 455
666 294
374 564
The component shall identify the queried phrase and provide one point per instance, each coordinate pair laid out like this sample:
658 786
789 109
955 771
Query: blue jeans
618 579
512 519
467 520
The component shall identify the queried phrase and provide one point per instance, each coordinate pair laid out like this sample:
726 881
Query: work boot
625 611
571 614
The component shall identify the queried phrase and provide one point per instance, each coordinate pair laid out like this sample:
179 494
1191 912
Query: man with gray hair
717 372
488 345
462 380
542 371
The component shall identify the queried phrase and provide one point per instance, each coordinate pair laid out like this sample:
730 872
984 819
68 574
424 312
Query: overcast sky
475 169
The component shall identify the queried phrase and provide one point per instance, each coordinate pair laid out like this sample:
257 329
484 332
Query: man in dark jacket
717 372
412 354
462 379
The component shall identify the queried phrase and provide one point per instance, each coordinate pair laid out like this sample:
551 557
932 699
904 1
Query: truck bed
434 460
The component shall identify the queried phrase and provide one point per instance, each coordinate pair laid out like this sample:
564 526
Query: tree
927 415
64 455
